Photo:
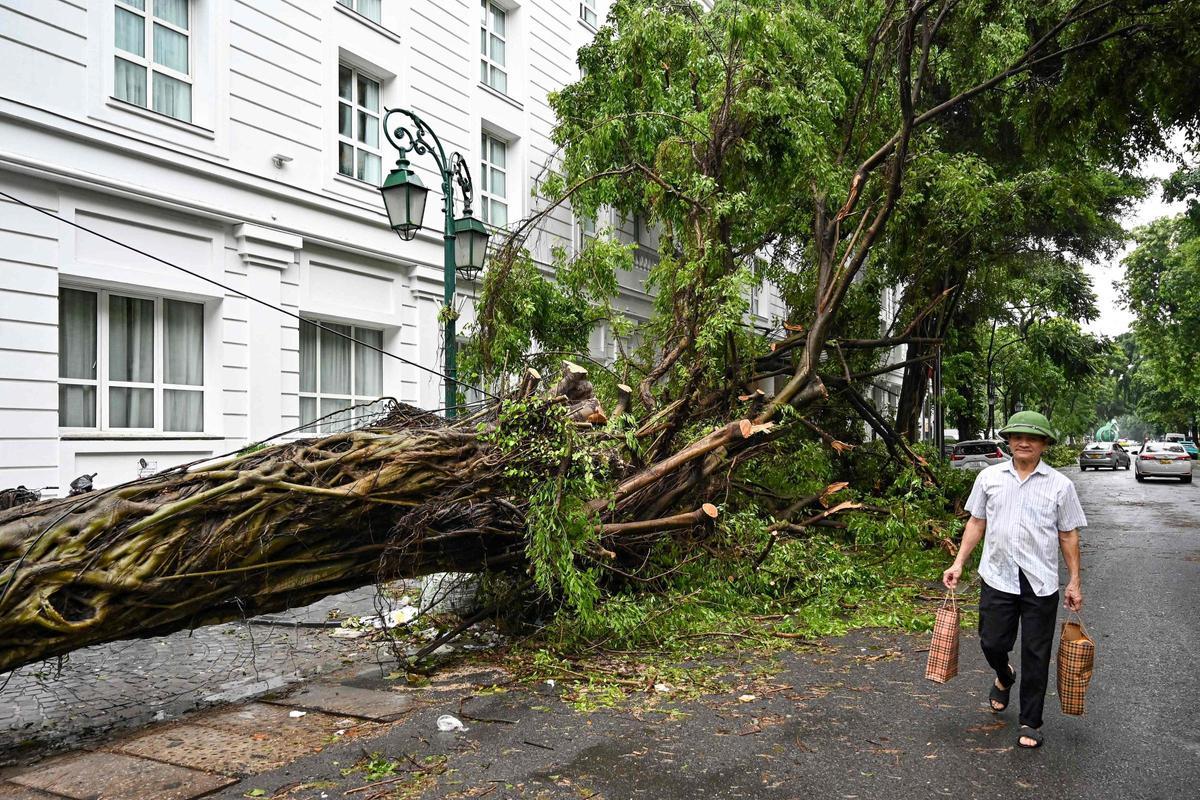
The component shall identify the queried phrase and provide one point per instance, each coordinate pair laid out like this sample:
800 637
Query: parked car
1174 437
1163 460
1191 449
1103 454
979 453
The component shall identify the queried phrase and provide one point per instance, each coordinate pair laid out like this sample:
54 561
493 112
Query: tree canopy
1162 289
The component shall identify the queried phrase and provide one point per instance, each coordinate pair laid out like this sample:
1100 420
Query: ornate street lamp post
464 239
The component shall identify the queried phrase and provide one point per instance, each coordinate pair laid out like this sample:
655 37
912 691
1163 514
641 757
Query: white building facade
241 140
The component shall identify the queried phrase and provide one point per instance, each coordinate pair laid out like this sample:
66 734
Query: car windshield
976 449
1100 446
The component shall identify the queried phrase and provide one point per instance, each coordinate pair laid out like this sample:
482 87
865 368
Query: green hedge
1062 455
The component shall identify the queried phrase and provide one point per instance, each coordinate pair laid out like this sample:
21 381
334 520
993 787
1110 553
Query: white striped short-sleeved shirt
1023 519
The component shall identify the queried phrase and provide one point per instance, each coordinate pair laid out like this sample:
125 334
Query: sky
1114 319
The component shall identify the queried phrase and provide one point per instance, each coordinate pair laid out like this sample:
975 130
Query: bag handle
950 599
1078 619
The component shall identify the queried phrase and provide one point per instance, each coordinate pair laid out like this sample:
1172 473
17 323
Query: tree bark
286 525
912 393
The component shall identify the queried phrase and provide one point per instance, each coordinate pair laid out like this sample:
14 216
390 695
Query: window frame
146 60
582 234
353 5
317 396
588 7
488 66
486 168
158 385
358 147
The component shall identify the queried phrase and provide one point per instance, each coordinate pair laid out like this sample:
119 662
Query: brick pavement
222 747
127 684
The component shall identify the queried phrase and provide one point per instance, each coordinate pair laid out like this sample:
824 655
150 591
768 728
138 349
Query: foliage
1162 289
823 581
548 456
801 141
527 306
1062 455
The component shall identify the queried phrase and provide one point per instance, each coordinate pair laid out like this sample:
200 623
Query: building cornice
219 173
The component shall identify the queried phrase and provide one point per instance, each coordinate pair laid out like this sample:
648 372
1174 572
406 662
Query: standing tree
1162 289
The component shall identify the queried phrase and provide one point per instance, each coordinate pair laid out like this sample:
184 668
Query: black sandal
1027 732
999 695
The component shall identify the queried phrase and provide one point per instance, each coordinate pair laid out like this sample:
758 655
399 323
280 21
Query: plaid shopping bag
1076 657
943 651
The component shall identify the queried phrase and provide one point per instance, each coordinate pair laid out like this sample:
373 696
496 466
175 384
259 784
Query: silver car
1103 454
1163 460
979 453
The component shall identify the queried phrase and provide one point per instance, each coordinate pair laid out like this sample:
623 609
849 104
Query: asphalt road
856 719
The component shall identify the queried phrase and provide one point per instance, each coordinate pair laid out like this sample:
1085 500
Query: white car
979 453
1163 460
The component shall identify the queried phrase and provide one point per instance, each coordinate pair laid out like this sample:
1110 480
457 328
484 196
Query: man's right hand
950 577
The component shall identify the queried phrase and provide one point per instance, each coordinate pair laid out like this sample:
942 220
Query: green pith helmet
1029 422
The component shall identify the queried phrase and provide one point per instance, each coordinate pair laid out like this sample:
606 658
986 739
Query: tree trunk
286 525
967 423
256 533
912 393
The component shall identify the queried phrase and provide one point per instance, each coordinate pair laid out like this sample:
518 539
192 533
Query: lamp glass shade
470 246
404 198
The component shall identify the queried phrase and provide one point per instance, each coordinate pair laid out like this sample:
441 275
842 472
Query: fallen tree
287 524
762 139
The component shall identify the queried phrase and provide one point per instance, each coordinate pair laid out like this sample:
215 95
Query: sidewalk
851 720
132 683
227 747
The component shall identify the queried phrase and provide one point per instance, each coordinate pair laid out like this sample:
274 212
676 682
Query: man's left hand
1073 598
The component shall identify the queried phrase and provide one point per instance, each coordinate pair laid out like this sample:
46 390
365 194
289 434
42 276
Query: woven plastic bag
1076 658
943 650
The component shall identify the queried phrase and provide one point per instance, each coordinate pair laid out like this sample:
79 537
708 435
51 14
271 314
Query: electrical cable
240 293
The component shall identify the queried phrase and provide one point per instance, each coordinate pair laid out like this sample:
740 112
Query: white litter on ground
447 723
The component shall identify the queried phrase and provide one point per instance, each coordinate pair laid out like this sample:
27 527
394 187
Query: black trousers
1000 613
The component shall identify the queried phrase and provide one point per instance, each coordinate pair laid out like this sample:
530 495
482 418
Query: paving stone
127 684
113 776
210 749
382 706
301 735
11 791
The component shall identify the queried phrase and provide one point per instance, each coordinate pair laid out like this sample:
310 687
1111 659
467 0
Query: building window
493 173
645 234
585 231
587 12
371 9
153 56
491 46
358 125
336 373
130 362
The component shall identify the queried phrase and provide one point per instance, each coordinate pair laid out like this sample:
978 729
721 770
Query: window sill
587 26
369 23
501 95
163 119
346 179
138 436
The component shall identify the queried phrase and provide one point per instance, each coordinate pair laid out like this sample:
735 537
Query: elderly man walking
1029 512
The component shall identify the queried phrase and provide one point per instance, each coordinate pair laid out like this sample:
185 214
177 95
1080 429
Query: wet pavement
122 685
854 719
